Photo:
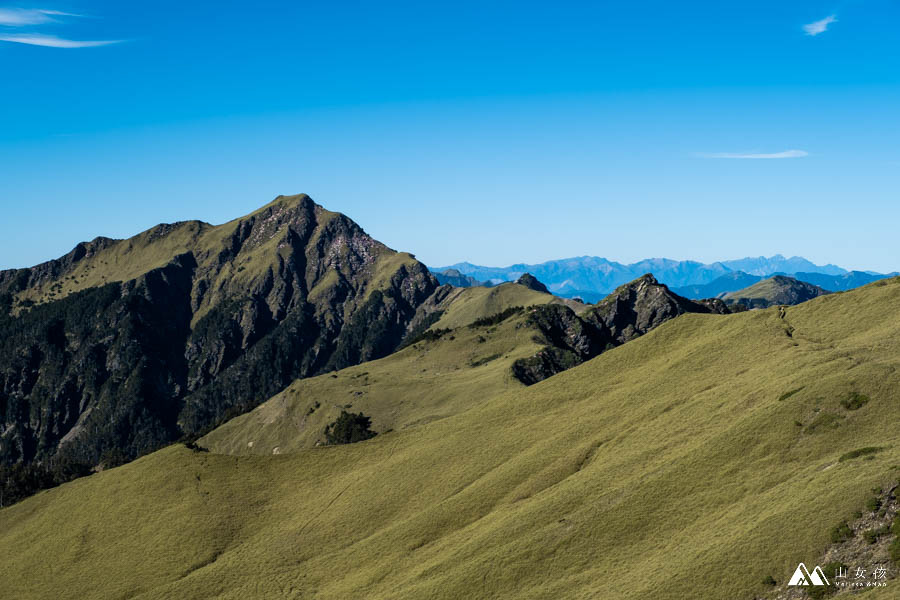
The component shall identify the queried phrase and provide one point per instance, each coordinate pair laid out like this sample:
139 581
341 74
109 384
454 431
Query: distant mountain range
734 282
592 277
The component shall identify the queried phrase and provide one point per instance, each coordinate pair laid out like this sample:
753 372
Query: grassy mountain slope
779 289
436 378
691 462
465 305
427 381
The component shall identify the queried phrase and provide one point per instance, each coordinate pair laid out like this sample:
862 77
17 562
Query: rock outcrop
631 311
532 283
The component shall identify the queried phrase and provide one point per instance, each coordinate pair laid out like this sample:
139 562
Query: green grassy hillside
465 305
689 463
427 381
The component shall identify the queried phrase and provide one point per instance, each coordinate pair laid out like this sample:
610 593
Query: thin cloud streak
818 27
19 17
756 156
51 41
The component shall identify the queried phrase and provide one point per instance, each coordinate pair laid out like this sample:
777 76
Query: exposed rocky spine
631 311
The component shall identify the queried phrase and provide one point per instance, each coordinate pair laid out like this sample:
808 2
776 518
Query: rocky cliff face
125 345
631 311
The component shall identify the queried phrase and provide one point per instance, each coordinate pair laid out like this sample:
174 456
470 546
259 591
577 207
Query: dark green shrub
195 447
769 580
349 428
854 401
841 533
873 504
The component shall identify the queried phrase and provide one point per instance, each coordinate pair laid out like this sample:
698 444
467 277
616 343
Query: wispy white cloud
740 155
51 41
819 26
23 17
20 17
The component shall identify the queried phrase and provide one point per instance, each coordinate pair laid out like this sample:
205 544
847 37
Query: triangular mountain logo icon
803 577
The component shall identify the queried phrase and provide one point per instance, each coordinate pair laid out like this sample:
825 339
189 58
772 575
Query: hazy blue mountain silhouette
592 276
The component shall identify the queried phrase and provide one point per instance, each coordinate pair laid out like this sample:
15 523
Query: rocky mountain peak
129 344
532 283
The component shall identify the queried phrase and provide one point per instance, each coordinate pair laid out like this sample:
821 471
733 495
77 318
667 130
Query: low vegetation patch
872 535
868 450
484 360
787 395
824 421
854 401
497 318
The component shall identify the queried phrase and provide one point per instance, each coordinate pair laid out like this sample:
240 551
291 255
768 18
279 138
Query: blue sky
494 132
